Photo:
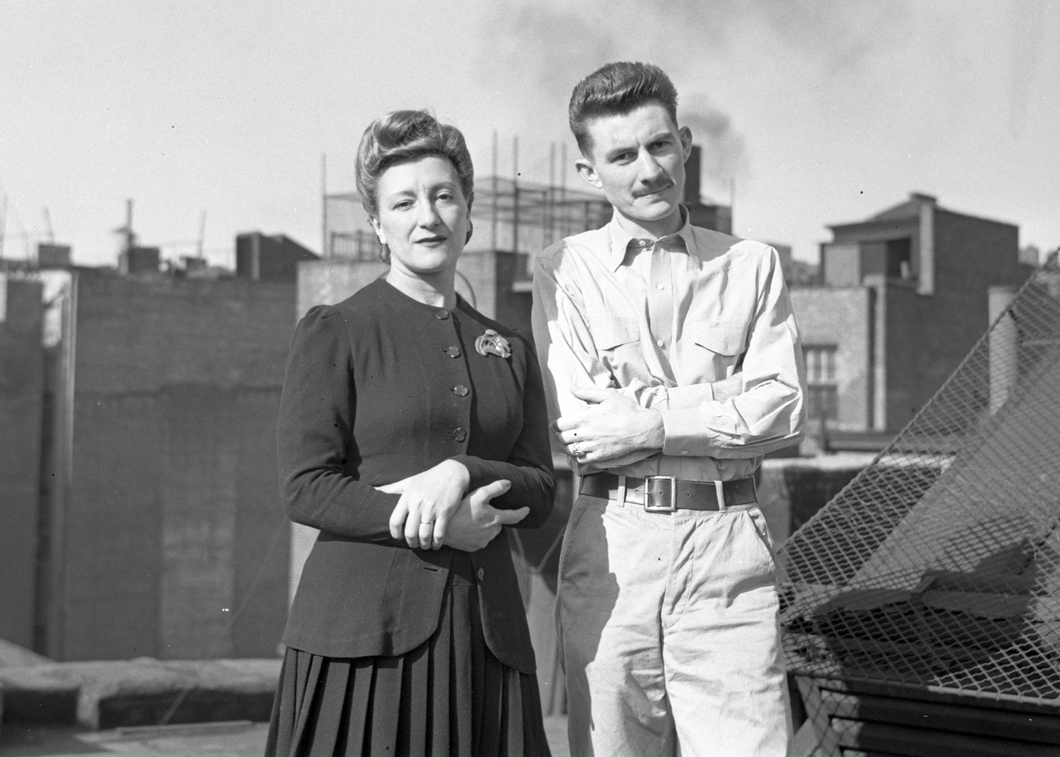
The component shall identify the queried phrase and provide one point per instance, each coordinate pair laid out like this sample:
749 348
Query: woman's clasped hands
436 509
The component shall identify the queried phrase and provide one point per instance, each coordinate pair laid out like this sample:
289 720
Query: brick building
137 459
903 297
263 257
21 408
160 500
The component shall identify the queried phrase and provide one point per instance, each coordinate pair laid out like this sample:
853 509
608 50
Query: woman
411 429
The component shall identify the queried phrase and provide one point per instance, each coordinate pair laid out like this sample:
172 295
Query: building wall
927 336
479 282
269 258
904 333
512 307
840 264
21 397
331 280
171 510
843 317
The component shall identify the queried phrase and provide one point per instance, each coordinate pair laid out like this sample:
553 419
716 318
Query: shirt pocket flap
722 337
610 332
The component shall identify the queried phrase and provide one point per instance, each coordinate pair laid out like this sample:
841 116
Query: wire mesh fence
939 564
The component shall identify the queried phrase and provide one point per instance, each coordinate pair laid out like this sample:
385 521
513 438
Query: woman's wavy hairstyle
616 89
406 135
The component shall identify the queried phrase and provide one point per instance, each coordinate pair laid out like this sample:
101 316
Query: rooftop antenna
48 225
325 250
495 179
515 192
551 196
563 187
128 224
3 221
732 201
202 233
126 232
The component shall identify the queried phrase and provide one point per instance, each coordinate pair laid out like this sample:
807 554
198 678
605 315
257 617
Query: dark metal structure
921 606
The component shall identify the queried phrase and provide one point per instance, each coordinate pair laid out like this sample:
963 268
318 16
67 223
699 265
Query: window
899 254
822 395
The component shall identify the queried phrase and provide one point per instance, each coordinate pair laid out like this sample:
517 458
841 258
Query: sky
810 112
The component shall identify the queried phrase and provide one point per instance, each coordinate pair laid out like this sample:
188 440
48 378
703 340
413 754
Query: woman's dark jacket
378 388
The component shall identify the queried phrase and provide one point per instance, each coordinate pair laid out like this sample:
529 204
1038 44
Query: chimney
51 255
692 166
925 264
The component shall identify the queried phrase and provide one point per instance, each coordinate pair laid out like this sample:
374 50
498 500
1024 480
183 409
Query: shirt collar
620 239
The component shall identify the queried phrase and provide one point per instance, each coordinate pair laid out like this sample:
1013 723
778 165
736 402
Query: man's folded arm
767 414
568 354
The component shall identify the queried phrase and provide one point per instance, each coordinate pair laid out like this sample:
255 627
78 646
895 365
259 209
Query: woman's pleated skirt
448 697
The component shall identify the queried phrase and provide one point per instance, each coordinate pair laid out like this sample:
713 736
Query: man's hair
407 135
614 90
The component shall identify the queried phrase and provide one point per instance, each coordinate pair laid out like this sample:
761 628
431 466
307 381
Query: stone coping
144 691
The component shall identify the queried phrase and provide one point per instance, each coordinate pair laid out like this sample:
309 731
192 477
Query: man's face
638 160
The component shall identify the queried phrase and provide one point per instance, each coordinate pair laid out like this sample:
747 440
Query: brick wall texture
842 316
21 397
171 514
926 337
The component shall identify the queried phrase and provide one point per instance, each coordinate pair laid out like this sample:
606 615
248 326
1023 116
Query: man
672 365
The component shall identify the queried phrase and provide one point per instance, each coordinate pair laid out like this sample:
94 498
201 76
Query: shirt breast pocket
722 342
618 342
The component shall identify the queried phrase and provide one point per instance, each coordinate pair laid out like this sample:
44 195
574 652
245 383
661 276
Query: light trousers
669 631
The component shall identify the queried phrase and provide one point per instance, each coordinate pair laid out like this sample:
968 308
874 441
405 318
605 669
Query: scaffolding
516 217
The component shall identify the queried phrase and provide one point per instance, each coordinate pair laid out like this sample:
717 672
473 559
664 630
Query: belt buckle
653 508
719 493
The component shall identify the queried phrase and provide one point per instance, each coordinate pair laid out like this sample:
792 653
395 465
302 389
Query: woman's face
422 216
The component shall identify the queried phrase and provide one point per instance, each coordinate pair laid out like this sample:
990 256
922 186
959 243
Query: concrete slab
236 739
32 695
231 739
14 656
119 707
112 694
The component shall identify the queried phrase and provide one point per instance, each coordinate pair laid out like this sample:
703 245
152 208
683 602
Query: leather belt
666 494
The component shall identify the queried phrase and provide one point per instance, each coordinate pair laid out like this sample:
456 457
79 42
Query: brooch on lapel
492 343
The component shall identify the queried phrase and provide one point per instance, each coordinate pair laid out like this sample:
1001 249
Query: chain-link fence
939 564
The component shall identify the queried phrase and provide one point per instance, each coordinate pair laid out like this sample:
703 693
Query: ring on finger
576 450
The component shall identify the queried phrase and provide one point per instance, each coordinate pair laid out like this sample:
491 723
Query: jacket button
442 315
460 390
481 573
453 352
459 434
